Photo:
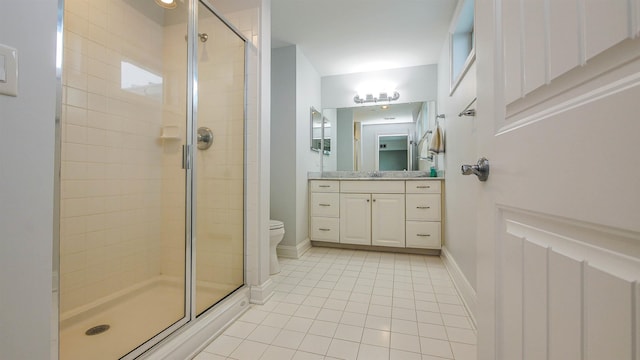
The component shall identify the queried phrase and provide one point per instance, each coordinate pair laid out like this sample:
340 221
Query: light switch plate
9 71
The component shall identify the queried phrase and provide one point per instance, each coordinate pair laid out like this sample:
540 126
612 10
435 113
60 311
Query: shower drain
97 329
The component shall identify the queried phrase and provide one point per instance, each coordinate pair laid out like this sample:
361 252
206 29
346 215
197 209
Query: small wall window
461 42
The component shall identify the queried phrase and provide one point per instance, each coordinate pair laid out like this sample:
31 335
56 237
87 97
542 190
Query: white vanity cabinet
382 213
324 204
370 212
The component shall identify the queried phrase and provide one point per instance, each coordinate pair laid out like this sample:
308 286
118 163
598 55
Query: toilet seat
275 225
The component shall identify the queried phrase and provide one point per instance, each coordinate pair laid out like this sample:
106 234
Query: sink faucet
375 173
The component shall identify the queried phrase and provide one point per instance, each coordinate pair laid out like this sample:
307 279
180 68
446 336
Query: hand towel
437 141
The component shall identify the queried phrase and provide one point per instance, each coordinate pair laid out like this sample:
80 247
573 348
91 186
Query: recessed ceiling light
385 107
167 4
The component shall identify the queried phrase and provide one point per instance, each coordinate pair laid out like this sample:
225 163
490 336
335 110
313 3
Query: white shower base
134 316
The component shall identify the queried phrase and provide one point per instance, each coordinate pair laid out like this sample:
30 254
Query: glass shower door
219 168
123 189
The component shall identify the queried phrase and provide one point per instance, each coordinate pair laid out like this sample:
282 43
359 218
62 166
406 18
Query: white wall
461 191
26 181
295 89
417 83
283 140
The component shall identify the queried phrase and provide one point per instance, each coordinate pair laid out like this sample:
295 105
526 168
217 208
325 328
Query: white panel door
387 220
559 217
355 219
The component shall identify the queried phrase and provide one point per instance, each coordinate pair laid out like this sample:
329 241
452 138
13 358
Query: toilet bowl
276 233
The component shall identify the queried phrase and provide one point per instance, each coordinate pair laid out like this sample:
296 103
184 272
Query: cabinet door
355 219
387 218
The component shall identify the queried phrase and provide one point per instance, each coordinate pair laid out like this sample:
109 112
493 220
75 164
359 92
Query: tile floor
346 304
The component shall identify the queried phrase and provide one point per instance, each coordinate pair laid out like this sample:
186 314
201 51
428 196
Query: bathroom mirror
356 133
320 132
316 129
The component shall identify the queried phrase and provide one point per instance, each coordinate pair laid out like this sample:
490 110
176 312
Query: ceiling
402 112
349 36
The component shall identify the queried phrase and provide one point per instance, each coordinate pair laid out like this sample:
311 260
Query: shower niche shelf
170 132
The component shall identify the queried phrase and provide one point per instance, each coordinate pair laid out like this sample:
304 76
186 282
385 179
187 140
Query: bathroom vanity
393 213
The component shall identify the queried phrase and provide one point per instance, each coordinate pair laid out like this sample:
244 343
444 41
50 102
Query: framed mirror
320 132
316 129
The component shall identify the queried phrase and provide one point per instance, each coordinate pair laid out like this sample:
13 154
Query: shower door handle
186 163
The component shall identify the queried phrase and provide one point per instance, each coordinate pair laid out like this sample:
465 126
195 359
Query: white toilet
276 233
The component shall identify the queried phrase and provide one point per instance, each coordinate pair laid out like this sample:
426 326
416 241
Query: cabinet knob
367 200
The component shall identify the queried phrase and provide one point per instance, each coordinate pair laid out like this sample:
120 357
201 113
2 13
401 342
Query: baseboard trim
260 294
188 342
466 291
294 252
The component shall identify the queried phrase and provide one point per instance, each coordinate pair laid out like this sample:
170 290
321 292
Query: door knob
481 169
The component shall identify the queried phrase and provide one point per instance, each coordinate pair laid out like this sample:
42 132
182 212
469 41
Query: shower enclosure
152 172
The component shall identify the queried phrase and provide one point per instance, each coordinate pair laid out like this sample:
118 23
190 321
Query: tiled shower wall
112 158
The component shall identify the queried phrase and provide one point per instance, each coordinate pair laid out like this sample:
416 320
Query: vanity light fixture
167 4
383 96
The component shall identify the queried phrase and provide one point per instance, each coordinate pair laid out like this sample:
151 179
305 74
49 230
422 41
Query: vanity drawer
372 186
325 204
424 187
325 229
423 235
332 186
423 207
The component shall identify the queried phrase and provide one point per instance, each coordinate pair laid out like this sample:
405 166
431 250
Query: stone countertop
368 175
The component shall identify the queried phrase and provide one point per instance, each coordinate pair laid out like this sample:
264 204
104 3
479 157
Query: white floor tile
436 347
409 343
298 324
376 337
277 353
315 344
263 334
309 312
354 319
347 304
456 321
463 351
303 355
240 329
396 354
404 327
276 320
286 309
289 339
209 356
432 331
370 352
249 350
223 345
349 332
342 349
378 322
323 328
